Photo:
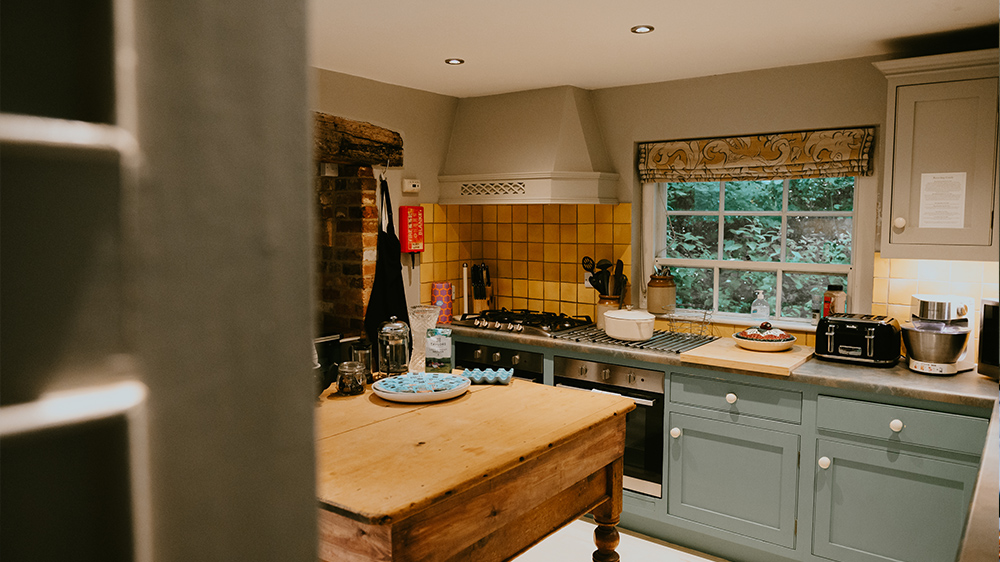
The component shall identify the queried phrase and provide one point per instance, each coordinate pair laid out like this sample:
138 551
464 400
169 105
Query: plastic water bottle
759 310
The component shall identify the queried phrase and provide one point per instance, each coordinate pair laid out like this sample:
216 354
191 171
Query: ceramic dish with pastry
764 338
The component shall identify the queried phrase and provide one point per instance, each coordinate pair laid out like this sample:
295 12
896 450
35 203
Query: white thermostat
411 186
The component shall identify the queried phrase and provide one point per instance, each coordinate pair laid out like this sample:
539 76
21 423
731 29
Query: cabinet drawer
911 426
737 398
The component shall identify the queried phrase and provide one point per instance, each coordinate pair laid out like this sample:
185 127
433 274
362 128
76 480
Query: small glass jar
351 378
361 351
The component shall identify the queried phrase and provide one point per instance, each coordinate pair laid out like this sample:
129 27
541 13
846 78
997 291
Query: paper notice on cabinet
942 200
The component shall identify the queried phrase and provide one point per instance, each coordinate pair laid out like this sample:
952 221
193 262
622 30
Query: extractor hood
538 146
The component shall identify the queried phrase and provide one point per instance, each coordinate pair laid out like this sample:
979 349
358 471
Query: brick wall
347 238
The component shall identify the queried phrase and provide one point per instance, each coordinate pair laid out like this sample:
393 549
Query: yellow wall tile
550 306
550 214
504 233
604 214
520 269
536 251
477 250
568 308
623 233
550 233
603 252
551 290
535 271
586 310
519 288
570 273
428 212
900 290
477 232
439 214
451 251
550 271
900 312
489 231
489 250
567 253
489 213
519 232
967 271
551 252
567 292
880 290
567 233
535 214
504 250
440 271
427 272
519 303
504 213
440 232
567 214
604 233
536 304
903 269
519 214
453 213
465 213
933 270
991 272
454 270
585 233
519 251
585 250
536 290
477 214
623 213
505 302
585 214
881 266
535 232
880 309
505 287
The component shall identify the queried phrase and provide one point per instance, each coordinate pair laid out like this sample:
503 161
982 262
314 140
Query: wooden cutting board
725 353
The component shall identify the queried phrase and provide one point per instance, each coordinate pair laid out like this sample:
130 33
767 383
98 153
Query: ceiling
513 45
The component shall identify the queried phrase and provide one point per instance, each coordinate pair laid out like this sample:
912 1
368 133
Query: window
723 240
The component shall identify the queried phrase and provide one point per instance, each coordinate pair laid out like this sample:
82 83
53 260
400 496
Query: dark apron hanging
388 297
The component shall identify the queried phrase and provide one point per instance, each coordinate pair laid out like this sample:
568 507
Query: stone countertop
968 388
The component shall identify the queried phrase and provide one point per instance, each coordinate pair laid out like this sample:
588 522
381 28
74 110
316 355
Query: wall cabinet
939 195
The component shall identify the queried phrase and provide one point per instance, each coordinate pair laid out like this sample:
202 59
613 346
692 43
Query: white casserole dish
628 325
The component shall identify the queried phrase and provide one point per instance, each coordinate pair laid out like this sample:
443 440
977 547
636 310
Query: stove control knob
496 357
478 354
605 374
519 328
510 326
583 370
631 378
481 322
496 325
514 360
675 432
896 426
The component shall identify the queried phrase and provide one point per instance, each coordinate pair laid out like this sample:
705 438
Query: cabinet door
734 477
941 130
877 504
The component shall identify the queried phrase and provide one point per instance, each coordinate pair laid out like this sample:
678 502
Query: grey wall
423 119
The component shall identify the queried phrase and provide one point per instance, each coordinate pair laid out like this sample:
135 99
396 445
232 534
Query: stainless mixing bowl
935 344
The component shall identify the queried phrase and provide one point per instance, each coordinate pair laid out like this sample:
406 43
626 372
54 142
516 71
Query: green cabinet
733 477
892 483
881 504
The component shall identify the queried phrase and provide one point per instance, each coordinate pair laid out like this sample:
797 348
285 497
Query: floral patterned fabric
809 154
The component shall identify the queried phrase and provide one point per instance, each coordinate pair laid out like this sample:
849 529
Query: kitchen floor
576 542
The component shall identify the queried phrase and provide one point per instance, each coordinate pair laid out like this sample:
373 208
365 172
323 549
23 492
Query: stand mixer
937 335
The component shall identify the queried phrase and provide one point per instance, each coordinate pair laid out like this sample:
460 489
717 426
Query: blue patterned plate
421 387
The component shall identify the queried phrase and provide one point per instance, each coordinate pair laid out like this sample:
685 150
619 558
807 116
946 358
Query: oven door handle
638 401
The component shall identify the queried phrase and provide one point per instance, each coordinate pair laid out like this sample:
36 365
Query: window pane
802 292
737 286
691 237
818 240
694 287
821 194
691 196
756 195
752 239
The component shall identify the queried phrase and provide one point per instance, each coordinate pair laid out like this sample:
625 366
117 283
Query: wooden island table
479 477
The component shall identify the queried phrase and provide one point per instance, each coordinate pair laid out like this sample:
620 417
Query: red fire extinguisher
411 230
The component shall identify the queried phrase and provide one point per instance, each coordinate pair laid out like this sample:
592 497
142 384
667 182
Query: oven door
643 470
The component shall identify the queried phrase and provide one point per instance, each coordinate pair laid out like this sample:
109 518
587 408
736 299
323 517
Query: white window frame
653 224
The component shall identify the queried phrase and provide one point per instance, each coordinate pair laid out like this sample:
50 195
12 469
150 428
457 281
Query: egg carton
489 376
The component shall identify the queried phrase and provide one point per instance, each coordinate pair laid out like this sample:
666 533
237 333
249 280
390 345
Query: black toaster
858 338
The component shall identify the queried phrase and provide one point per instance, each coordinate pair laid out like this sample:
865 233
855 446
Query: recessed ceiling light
454 62
640 29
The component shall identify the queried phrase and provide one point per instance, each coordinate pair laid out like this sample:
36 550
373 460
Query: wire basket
698 322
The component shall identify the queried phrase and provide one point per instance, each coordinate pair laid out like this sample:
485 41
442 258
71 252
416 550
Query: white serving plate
421 387
759 345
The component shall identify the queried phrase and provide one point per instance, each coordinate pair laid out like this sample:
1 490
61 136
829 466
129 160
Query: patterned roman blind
808 154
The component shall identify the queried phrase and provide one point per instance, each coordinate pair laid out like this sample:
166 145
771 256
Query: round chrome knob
731 398
496 357
824 462
675 432
899 222
896 426
515 359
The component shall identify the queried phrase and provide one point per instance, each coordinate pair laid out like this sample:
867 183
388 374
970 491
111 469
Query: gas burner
523 321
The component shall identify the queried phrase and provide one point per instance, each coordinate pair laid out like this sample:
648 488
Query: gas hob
523 321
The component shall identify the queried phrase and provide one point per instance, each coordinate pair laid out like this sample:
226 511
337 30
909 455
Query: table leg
606 516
